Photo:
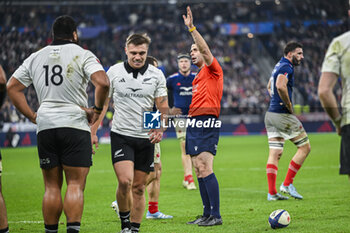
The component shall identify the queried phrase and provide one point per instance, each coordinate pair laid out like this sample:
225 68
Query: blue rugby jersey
285 67
181 87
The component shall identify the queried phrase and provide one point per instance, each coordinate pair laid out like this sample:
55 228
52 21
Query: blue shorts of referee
202 135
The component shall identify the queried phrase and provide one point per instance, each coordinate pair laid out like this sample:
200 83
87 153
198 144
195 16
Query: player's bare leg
52 201
153 190
203 164
125 174
302 142
138 197
302 151
3 213
275 150
124 171
275 153
187 165
153 187
151 176
74 199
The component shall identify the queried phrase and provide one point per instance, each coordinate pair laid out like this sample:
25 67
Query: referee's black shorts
345 151
67 146
138 150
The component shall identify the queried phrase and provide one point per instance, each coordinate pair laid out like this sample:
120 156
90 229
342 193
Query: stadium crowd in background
26 29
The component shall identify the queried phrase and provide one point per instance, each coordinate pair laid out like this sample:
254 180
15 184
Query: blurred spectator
25 29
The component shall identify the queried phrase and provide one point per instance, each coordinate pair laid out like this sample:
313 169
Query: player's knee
138 189
306 148
124 183
158 169
151 177
203 169
275 154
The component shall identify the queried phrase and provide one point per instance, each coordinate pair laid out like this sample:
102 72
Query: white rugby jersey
337 60
60 74
133 93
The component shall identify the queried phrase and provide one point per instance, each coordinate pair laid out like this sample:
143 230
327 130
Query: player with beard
282 125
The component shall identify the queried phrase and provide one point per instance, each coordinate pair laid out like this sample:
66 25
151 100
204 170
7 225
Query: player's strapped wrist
97 110
192 29
336 121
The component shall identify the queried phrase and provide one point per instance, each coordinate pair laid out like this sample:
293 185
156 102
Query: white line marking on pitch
26 221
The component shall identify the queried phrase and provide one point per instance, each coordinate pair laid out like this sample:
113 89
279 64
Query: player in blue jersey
180 84
282 125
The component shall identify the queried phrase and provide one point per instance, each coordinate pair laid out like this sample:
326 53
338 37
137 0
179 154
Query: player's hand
33 119
175 111
188 19
290 108
155 135
337 126
91 116
338 130
94 141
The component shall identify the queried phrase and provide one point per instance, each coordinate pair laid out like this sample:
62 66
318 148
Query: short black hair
151 60
63 27
138 39
291 46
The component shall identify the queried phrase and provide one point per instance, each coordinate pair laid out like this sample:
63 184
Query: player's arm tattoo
162 99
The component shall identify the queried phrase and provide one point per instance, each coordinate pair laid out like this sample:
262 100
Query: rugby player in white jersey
336 67
135 88
60 73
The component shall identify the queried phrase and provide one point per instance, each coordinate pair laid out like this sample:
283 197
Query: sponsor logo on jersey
131 94
151 120
185 91
122 80
45 161
134 89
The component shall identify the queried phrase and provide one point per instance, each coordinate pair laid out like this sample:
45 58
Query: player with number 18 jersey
60 74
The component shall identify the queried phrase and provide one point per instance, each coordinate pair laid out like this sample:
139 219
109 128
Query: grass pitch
240 169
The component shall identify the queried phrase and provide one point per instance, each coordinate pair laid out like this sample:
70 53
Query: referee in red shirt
202 136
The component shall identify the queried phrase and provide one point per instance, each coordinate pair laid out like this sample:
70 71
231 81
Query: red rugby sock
153 207
292 171
271 172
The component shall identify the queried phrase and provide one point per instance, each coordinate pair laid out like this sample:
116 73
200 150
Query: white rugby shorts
283 125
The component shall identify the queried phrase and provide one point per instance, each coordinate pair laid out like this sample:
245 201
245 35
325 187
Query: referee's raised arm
197 37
